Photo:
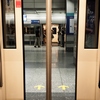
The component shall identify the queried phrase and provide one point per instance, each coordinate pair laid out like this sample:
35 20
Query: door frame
48 54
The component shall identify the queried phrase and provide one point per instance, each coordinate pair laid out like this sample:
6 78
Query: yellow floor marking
63 87
39 87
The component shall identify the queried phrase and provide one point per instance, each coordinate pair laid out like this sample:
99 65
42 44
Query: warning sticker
18 3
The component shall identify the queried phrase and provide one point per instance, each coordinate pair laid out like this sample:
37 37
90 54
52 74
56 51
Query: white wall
56 17
70 6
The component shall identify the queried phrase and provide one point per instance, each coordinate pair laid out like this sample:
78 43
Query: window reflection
91 33
9 36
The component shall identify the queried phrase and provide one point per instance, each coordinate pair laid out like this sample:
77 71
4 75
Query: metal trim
99 78
0 49
0 66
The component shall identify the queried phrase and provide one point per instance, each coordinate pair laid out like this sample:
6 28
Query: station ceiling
39 6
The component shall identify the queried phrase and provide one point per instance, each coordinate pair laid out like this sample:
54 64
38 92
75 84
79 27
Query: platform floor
63 73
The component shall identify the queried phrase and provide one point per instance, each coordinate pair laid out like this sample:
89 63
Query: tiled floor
63 73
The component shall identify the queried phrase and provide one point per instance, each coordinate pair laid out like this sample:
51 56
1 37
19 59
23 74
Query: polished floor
63 73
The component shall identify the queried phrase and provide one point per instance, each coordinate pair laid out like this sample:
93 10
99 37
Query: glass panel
91 30
64 50
9 35
35 50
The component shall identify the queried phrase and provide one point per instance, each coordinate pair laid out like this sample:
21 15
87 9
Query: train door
49 70
12 47
11 50
88 50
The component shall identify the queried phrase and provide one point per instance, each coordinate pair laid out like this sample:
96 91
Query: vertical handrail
48 49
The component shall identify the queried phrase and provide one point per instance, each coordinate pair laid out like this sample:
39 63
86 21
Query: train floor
63 74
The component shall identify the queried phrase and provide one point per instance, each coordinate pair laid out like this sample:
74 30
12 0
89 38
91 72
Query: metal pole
48 49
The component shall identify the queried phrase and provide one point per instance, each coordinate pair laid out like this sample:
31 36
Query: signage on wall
24 18
35 21
70 25
18 3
